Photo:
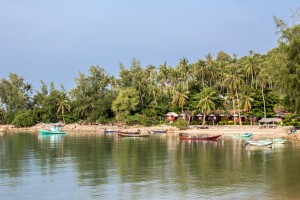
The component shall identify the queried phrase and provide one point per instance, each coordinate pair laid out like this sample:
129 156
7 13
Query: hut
199 118
222 117
211 118
171 116
269 122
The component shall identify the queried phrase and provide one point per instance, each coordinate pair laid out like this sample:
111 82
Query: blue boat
53 130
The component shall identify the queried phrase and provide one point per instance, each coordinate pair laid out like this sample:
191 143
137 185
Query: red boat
199 137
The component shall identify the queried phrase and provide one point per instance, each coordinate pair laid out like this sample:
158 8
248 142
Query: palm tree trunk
263 96
239 110
203 121
233 104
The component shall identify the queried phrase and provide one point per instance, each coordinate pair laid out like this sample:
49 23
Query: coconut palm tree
63 104
207 101
233 80
180 97
251 66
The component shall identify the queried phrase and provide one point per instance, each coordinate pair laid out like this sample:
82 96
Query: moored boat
132 135
247 135
278 141
131 132
110 131
198 137
54 130
260 143
158 131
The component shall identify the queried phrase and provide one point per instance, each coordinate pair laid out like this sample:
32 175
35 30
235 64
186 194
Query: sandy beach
226 131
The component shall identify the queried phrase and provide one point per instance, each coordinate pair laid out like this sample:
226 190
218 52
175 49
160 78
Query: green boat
247 135
53 130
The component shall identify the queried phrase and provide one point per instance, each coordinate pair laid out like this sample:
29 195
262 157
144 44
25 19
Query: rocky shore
226 131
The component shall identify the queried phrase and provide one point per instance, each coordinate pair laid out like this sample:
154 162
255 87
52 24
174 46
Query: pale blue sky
54 40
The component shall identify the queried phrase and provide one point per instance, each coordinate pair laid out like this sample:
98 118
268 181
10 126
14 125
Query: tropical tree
289 46
207 101
233 80
180 97
93 95
15 95
63 105
126 102
251 66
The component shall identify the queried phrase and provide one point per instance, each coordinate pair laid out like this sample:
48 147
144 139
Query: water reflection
158 167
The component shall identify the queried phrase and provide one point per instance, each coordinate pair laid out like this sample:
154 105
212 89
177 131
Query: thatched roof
169 114
269 120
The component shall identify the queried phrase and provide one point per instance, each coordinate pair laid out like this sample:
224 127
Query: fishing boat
260 143
131 132
246 135
132 135
53 130
278 141
198 137
110 131
158 131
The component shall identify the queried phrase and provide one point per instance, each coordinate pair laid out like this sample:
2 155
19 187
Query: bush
24 119
180 124
70 119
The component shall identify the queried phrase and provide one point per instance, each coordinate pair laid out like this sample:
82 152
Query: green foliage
24 119
70 119
3 117
126 102
257 108
141 120
180 124
144 94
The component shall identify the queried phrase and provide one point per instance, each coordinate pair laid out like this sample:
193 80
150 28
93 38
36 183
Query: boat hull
200 138
265 144
159 132
131 135
110 131
49 132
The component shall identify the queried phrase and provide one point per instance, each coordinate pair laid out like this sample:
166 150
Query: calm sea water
108 167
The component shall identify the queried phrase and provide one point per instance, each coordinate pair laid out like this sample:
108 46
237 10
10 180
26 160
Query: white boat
260 143
279 141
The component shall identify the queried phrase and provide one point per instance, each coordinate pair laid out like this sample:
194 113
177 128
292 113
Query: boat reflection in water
53 140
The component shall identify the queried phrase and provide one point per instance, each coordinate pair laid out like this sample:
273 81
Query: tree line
253 85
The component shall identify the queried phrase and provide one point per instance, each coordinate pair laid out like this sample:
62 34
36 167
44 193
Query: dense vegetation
253 85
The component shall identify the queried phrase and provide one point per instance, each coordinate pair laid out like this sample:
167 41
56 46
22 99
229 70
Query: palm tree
233 81
251 67
180 97
207 101
62 105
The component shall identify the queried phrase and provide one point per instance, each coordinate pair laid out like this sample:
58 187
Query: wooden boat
260 143
131 132
199 137
158 131
132 135
110 131
53 130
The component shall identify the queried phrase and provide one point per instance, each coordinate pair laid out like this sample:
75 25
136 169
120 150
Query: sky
54 40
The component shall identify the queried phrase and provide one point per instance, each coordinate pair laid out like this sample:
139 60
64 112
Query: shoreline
226 130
